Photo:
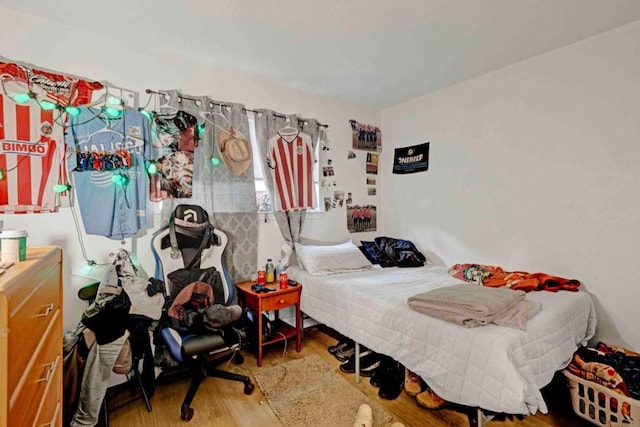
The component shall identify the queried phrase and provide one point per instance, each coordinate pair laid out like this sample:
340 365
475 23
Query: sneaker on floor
346 351
364 416
369 362
429 399
342 344
412 384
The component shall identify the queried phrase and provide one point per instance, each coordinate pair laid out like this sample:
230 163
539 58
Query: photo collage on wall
328 181
362 217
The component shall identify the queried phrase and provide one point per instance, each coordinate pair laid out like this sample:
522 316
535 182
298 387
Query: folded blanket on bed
472 305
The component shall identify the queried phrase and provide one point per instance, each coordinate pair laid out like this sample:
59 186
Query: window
263 197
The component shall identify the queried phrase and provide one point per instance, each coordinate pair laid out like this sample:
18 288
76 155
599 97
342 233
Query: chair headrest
190 216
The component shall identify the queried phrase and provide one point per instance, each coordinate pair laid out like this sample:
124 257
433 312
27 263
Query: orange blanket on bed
496 277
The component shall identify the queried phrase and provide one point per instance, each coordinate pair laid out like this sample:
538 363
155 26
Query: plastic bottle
279 270
271 271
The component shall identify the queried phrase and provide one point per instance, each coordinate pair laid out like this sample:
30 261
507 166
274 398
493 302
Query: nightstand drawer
276 302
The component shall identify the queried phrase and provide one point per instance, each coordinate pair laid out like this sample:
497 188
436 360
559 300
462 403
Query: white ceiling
372 52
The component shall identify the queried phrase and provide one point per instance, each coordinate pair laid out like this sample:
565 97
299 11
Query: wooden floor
223 403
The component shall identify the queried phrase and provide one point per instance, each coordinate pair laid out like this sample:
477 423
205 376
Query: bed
491 367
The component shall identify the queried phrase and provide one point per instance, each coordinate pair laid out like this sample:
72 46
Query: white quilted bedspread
492 367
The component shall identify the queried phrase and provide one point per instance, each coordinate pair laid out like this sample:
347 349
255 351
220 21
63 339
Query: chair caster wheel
238 359
186 413
248 388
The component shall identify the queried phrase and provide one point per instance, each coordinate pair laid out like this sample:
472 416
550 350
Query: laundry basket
601 405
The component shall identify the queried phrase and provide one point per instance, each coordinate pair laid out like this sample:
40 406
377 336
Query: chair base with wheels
201 352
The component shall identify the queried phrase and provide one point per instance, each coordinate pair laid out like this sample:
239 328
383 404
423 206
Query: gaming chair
190 239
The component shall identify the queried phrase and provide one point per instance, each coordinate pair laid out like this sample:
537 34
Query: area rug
307 392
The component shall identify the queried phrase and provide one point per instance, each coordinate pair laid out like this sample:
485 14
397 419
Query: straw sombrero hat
234 150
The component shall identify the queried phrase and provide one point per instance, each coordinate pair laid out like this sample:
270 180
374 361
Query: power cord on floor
235 347
284 351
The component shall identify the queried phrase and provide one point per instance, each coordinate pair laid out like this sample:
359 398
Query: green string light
73 111
46 105
114 101
113 112
215 161
146 114
61 188
22 98
1 174
200 128
120 179
151 168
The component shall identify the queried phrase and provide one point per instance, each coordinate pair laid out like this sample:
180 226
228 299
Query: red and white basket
601 405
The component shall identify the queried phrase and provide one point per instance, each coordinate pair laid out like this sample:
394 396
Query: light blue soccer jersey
112 207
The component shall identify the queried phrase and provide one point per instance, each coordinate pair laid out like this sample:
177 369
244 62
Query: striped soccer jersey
57 88
31 157
291 159
31 139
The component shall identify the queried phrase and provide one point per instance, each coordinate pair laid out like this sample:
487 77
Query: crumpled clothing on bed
495 277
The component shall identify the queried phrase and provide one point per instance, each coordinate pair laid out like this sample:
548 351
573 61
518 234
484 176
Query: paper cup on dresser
13 245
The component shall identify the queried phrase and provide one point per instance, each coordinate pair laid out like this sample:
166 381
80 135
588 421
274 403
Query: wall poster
361 218
411 159
372 163
365 137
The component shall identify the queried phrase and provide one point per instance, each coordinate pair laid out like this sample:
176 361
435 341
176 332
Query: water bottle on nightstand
271 271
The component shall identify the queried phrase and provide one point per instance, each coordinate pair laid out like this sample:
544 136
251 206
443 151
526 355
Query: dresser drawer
276 302
29 319
43 374
50 414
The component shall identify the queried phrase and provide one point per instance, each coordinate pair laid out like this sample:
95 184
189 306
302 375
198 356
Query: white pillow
313 242
325 260
289 257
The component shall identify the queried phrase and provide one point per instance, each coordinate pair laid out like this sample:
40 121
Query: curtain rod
245 110
280 116
181 97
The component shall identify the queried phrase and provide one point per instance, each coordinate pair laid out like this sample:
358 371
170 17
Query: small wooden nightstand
267 301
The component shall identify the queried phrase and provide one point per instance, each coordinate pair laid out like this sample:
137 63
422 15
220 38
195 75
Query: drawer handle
48 309
281 301
47 376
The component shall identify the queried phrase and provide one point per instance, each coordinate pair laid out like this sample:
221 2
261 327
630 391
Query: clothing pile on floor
112 334
389 375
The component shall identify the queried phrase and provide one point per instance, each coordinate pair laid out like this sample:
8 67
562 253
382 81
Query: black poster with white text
411 159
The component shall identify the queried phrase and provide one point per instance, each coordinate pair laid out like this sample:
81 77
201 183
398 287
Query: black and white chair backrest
168 259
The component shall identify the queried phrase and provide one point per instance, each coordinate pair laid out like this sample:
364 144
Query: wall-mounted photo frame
361 218
365 137
372 163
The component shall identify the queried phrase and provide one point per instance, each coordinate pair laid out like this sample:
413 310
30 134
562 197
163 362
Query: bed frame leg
357 356
480 419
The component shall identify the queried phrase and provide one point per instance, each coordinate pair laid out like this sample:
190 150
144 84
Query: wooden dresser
31 340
